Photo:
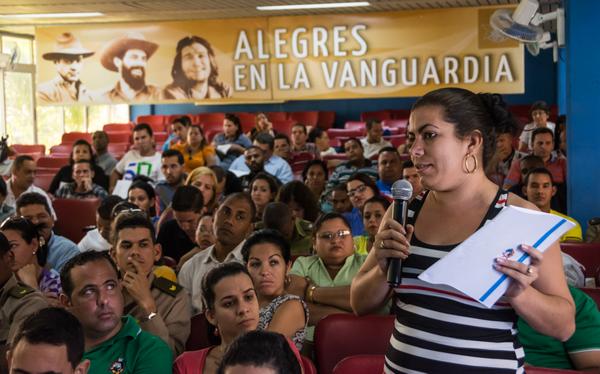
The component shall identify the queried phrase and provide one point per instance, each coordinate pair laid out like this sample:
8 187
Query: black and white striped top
439 329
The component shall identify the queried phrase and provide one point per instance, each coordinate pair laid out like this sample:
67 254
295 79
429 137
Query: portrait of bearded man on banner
128 55
66 87
195 73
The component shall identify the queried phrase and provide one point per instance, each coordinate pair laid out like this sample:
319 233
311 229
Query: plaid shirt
67 191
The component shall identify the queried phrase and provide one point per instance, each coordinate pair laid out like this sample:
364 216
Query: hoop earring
466 164
287 281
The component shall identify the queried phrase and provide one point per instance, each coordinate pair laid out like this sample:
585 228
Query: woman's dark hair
377 199
187 199
236 121
203 141
484 112
146 187
297 191
368 181
4 244
271 181
312 163
87 144
314 133
328 217
268 236
261 349
28 232
214 276
179 78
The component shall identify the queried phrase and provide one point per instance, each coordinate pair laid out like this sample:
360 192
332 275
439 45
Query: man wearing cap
68 58
128 55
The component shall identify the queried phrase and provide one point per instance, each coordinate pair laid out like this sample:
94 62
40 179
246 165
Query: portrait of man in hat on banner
128 55
66 87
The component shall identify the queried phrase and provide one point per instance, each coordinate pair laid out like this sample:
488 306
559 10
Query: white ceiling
155 10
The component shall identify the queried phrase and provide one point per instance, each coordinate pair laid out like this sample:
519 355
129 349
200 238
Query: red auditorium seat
211 128
43 180
588 254
209 117
71 137
61 149
277 116
345 133
379 114
594 293
150 119
355 125
401 123
29 149
307 366
117 127
342 335
326 119
211 133
74 215
160 137
360 364
157 127
119 137
400 113
118 149
52 162
308 118
169 119
396 140
247 120
284 127
201 334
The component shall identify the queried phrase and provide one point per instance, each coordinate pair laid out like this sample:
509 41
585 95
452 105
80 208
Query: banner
371 55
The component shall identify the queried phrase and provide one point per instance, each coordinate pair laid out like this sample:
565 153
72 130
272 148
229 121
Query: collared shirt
556 165
131 350
306 148
344 170
148 93
60 250
356 222
165 193
575 234
17 301
11 199
67 191
275 165
133 164
93 241
372 149
384 188
58 90
194 270
6 211
107 162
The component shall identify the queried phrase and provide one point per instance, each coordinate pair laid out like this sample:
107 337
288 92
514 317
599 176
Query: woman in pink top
231 306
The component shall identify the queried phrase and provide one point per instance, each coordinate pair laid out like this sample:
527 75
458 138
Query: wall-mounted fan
524 25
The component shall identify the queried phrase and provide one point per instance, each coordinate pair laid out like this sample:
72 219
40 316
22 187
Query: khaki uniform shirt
116 95
59 91
17 301
172 322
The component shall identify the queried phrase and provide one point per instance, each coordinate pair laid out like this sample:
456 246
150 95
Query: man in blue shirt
274 165
389 167
34 207
172 169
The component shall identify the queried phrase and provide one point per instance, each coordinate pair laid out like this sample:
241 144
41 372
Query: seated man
5 209
232 224
357 163
177 236
298 232
48 341
274 165
255 161
389 168
539 189
82 186
34 207
172 168
282 145
99 239
409 172
161 306
299 141
374 142
114 343
498 167
340 201
21 181
103 158
580 352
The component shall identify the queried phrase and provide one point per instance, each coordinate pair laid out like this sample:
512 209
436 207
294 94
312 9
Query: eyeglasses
359 189
341 234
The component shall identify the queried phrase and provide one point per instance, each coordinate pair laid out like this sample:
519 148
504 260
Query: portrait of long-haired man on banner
195 72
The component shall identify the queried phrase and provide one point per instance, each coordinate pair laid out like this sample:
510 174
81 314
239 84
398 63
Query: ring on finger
529 270
381 245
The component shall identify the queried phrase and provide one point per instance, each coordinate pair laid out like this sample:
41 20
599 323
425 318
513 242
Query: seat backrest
398 123
248 120
378 114
342 335
308 118
201 334
209 117
52 162
348 133
73 216
43 180
117 127
400 113
277 116
152 119
355 125
360 364
326 119
588 254
119 137
594 293
29 148
61 148
71 137
284 127
307 365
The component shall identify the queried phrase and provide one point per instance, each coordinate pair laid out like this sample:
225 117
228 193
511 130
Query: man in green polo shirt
113 343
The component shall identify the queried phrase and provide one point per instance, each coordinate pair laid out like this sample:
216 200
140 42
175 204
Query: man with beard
128 55
232 224
68 58
255 161
172 169
114 343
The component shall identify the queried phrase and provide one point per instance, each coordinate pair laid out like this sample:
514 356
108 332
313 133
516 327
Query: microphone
401 192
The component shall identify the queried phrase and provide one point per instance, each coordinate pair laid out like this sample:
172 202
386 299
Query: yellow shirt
196 159
574 234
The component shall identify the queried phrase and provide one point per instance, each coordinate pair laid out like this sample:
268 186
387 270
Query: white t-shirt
133 164
93 241
528 131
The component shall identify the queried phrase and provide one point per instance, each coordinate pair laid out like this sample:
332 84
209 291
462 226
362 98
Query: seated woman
315 176
204 179
372 212
263 125
82 150
323 280
300 199
142 194
268 259
29 254
360 188
196 151
263 190
232 137
319 136
231 306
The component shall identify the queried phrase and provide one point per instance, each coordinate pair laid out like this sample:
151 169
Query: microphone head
402 190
